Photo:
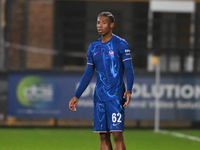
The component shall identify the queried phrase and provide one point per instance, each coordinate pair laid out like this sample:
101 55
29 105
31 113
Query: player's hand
127 95
72 104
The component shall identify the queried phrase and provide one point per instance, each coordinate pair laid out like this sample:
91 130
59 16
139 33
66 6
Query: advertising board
47 94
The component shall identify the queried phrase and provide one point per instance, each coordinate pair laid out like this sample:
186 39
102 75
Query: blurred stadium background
43 56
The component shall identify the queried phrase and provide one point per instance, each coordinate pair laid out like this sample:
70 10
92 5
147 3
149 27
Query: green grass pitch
85 139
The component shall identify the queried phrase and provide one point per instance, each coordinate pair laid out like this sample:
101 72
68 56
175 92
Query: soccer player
109 55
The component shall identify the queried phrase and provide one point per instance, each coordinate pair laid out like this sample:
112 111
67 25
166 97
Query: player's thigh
115 114
99 118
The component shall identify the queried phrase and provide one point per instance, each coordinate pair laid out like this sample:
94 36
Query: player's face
104 25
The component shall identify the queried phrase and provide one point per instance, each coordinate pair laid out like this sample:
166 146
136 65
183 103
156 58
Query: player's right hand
72 104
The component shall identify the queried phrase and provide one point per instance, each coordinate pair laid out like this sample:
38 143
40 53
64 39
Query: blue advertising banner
47 94
40 94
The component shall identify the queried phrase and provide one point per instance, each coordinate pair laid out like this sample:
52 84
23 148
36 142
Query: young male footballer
109 55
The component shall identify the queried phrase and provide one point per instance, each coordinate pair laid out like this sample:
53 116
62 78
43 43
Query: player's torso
109 67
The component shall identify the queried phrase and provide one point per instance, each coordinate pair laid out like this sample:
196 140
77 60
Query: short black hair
107 14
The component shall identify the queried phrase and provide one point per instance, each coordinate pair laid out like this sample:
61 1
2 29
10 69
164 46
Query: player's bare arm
72 104
127 95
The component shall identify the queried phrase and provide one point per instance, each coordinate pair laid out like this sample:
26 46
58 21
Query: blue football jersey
110 59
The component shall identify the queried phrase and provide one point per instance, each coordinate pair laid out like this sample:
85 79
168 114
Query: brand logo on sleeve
128 51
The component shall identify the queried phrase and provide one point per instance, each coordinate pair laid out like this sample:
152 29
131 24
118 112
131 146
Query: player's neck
106 38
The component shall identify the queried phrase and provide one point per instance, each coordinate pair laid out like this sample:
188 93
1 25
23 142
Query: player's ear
112 25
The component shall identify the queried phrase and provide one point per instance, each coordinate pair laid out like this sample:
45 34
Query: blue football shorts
109 116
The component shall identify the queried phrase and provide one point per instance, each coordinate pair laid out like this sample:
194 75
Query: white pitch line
180 135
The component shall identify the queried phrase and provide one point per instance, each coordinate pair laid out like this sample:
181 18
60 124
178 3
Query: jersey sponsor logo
110 52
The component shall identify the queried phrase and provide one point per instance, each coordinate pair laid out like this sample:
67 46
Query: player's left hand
127 95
